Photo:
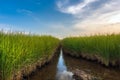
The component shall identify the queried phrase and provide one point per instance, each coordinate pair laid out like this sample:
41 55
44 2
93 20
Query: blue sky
60 17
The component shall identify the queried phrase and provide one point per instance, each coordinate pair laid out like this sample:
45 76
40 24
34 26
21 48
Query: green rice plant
106 48
18 50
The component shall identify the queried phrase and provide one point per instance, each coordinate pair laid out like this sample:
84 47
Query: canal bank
55 70
27 71
20 54
104 49
65 65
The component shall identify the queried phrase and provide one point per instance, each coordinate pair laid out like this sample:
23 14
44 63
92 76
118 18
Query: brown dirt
92 57
28 70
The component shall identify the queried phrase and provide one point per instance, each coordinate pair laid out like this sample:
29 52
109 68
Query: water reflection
61 64
57 69
62 73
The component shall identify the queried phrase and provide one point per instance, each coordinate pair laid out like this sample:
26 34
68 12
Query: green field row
104 48
19 50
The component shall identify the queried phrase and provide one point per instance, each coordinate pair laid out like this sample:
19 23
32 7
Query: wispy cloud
29 13
92 16
73 9
61 31
25 11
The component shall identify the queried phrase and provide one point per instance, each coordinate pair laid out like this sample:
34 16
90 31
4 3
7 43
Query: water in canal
62 73
61 66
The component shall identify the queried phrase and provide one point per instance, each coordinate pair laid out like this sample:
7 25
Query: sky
60 18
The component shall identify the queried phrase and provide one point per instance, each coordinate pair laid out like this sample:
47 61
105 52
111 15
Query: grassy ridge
104 48
19 50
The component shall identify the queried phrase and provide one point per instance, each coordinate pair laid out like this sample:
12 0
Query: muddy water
61 65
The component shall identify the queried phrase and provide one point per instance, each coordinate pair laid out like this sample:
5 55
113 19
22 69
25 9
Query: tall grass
104 48
19 50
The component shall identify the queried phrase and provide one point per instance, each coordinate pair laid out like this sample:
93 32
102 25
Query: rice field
19 50
103 48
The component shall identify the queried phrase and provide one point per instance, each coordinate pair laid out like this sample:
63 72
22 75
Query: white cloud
115 18
73 9
104 19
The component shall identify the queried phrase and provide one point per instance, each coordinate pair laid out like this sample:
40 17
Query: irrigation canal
61 66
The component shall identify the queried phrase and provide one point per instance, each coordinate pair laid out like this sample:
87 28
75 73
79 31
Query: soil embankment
84 68
29 70
95 58
20 54
102 48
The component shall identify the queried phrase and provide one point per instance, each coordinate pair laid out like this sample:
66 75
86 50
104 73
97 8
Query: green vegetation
104 48
18 50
